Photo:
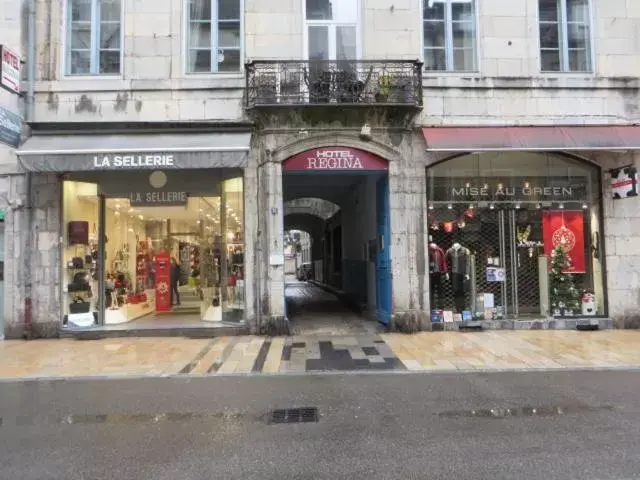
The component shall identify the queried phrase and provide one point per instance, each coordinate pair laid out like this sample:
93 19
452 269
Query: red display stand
163 282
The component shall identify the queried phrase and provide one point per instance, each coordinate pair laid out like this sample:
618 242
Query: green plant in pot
384 87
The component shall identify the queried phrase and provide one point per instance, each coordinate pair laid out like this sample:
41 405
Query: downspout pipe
28 204
31 61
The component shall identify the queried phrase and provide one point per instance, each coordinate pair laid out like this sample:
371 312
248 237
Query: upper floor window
213 36
449 32
565 35
332 29
93 42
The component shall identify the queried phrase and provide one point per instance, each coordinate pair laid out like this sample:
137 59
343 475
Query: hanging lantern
447 227
470 214
434 226
462 223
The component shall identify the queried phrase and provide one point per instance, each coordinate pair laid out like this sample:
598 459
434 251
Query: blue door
384 299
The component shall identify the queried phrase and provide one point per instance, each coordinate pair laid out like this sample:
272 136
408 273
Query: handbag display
76 262
79 283
79 306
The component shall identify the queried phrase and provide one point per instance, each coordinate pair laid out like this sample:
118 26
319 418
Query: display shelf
130 311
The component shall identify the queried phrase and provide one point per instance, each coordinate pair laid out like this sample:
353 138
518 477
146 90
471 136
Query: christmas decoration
564 296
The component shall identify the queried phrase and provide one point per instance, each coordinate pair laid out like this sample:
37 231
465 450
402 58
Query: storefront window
170 256
497 220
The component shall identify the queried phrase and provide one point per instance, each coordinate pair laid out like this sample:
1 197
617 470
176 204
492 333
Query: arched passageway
340 196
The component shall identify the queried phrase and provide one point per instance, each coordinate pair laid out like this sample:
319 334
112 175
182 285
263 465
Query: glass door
525 245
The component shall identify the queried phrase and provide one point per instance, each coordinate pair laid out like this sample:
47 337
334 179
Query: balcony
293 83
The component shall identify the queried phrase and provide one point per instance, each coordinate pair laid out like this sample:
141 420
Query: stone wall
508 87
43 270
153 85
622 246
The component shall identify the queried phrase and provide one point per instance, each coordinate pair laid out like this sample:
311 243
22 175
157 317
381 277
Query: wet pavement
533 425
252 355
329 338
314 311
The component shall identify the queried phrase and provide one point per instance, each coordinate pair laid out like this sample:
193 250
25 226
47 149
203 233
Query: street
534 425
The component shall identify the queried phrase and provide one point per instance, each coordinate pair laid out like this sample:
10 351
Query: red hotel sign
9 70
334 159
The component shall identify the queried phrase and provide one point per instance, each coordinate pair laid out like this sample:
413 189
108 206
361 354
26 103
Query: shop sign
158 198
519 192
10 127
624 182
333 159
116 162
9 69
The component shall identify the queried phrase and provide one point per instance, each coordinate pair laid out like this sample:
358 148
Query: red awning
495 139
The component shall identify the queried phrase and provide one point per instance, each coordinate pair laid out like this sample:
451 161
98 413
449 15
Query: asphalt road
564 425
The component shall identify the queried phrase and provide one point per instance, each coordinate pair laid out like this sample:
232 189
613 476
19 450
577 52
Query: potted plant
384 87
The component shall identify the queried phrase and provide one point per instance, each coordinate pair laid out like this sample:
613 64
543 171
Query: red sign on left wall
334 159
10 66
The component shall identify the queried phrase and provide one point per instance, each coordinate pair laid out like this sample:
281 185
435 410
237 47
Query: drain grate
294 415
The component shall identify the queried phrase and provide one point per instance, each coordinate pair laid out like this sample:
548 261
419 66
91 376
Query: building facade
11 115
496 130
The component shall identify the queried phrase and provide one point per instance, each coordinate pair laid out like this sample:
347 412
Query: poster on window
566 228
163 282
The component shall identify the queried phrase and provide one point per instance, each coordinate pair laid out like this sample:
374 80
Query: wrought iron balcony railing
272 83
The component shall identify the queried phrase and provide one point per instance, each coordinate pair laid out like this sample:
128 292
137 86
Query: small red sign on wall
334 159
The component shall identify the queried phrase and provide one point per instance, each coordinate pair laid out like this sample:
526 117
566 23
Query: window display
176 262
496 223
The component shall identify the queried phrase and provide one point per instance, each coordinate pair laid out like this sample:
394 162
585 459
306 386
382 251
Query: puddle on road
501 412
124 419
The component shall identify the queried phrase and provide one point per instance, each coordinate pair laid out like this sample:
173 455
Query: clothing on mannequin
459 263
437 269
459 260
437 260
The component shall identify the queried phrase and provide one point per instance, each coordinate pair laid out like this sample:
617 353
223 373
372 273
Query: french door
332 42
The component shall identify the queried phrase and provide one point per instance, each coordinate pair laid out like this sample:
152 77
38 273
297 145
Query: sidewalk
446 351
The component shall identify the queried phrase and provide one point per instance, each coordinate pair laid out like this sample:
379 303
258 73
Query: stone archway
318 207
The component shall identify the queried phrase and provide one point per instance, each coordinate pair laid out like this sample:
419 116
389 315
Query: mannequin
437 269
459 262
